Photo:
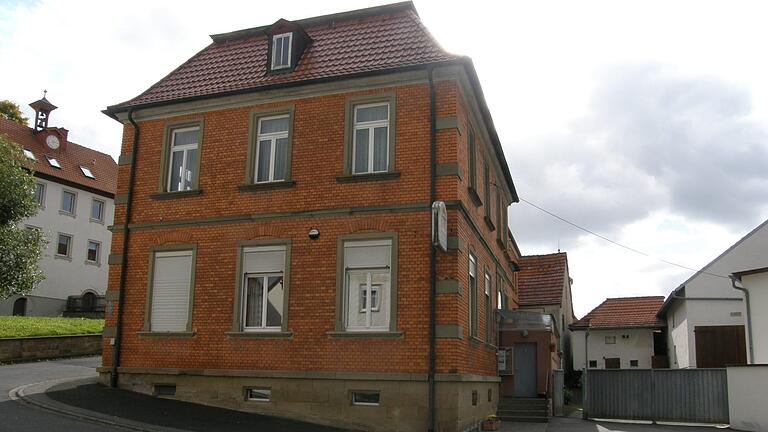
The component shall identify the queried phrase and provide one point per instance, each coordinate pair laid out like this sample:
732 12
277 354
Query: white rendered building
75 188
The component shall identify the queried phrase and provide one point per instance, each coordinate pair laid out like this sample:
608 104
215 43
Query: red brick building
272 242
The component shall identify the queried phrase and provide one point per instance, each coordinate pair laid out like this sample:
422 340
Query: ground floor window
263 292
367 285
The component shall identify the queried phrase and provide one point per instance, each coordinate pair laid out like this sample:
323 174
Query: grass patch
16 326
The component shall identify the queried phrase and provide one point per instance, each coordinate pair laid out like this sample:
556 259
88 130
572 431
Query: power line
631 249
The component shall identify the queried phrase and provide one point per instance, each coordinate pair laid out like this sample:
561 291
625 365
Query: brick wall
317 149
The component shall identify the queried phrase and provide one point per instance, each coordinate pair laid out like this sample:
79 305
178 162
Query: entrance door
525 370
20 307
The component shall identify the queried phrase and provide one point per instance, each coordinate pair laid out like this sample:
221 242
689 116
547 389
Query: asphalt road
19 418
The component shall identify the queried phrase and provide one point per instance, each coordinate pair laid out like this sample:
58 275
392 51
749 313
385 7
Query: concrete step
525 419
521 412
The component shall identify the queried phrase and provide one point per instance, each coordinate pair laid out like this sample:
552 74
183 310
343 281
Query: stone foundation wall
43 347
326 398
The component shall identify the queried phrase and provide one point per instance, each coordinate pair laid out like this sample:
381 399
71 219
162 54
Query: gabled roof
367 40
624 312
676 292
541 279
70 158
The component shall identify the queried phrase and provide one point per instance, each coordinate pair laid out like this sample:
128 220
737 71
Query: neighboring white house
621 333
705 314
75 188
755 282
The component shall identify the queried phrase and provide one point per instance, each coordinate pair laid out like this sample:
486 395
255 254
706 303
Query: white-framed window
610 340
93 252
87 172
40 194
258 394
272 149
634 363
281 50
53 162
29 155
64 245
370 140
367 275
97 210
171 287
263 288
366 398
68 202
499 298
472 295
182 171
488 308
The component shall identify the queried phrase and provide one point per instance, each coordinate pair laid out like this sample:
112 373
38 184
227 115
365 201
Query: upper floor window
40 194
97 210
272 149
64 245
370 147
29 155
367 285
68 202
281 50
183 160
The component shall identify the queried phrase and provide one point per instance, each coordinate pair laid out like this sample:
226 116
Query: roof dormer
286 43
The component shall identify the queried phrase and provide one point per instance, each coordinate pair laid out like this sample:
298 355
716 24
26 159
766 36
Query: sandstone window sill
474 197
365 334
174 195
257 187
261 335
167 334
355 178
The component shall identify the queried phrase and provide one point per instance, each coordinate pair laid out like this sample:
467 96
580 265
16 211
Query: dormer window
87 172
281 51
53 162
29 155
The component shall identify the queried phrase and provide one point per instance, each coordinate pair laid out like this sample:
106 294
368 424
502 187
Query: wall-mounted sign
440 225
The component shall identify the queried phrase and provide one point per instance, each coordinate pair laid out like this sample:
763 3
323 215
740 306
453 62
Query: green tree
20 247
11 111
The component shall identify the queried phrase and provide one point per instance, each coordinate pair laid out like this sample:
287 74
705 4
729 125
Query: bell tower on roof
43 110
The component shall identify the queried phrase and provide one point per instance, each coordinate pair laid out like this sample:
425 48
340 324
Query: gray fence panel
619 394
558 384
692 395
684 395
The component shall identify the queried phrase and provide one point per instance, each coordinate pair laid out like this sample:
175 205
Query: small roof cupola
43 110
286 44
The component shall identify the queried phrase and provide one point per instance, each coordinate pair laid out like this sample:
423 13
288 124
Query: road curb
34 395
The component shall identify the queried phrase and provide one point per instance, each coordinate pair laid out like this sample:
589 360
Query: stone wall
462 401
43 347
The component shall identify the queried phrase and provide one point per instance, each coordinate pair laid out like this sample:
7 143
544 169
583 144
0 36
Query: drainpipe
432 253
749 316
584 402
124 258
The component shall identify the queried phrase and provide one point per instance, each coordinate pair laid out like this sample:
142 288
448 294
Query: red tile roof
624 312
369 40
70 158
541 279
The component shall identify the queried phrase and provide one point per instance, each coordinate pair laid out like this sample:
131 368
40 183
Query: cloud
653 140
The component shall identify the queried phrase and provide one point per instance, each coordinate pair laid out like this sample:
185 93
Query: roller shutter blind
170 291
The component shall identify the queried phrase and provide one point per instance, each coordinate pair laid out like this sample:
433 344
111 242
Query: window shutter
268 259
170 291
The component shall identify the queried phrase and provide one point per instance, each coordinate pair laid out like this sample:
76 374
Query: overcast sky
644 121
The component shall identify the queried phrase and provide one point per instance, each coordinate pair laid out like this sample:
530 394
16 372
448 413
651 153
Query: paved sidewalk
85 399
